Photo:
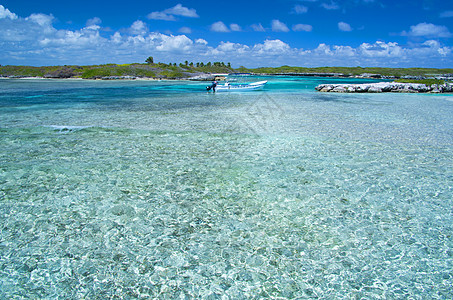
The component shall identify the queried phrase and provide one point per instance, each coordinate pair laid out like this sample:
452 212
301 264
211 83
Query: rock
339 89
203 77
405 90
375 89
385 87
326 88
369 75
362 88
320 87
118 78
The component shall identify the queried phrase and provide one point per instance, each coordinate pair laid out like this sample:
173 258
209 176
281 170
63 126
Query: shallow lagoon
138 189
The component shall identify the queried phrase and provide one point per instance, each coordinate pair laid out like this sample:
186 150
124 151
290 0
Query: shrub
423 81
171 74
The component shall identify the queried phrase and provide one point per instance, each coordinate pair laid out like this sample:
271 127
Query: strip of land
357 72
201 71
120 72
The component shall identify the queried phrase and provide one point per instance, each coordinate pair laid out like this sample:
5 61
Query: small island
149 70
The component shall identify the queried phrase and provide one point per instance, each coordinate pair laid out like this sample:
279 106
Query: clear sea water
146 189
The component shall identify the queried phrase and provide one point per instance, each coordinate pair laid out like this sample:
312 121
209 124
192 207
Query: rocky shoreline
386 87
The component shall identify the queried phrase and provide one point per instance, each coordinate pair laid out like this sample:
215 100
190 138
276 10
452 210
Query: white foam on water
66 128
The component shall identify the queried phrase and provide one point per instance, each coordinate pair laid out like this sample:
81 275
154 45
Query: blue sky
251 33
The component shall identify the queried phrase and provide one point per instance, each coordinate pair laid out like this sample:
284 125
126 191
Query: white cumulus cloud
380 49
302 27
278 26
170 43
344 51
258 27
6 14
201 41
179 10
170 13
272 47
344 26
219 27
299 9
435 46
138 28
444 14
93 21
227 46
235 27
428 30
41 19
159 15
230 49
323 49
330 6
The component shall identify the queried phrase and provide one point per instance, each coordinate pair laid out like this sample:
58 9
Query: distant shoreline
209 72
81 79
110 79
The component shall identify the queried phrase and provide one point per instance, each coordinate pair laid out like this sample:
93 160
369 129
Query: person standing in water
212 86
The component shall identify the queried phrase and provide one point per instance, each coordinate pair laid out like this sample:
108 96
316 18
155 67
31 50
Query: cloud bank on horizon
280 36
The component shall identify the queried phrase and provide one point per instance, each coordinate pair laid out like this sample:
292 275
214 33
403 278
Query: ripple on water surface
173 203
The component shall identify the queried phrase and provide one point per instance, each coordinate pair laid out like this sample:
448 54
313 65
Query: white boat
227 87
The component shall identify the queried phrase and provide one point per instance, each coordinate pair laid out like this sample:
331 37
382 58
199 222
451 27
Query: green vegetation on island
187 69
113 71
422 81
350 71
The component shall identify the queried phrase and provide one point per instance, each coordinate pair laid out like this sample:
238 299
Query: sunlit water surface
138 189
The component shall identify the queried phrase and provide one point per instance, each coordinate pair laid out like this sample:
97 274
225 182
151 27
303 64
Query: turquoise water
137 189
